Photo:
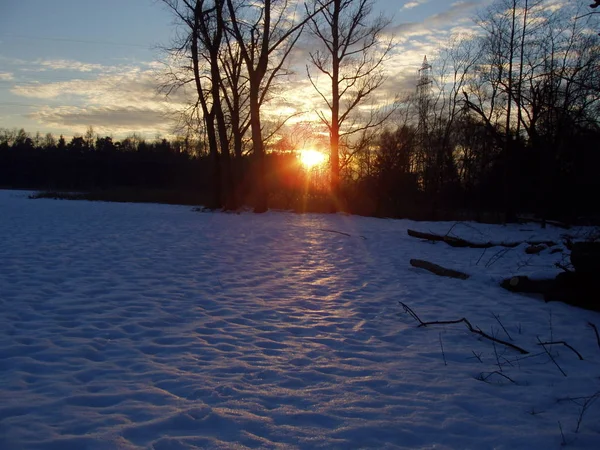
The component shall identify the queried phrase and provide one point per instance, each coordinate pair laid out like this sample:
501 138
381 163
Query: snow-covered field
150 326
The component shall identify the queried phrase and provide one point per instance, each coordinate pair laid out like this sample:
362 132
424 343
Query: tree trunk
258 149
508 147
216 202
334 138
209 121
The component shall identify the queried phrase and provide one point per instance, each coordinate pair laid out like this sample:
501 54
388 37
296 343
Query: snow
134 326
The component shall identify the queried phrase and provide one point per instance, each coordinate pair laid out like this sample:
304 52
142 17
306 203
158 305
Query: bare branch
467 323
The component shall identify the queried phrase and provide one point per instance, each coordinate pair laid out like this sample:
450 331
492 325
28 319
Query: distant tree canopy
50 163
182 164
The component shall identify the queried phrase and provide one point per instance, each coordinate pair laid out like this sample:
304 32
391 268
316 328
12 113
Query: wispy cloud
127 86
105 119
413 4
118 100
43 65
457 11
6 76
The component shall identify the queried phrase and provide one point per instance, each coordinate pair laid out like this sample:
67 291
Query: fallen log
450 240
543 222
535 249
585 257
438 270
567 287
526 285
459 242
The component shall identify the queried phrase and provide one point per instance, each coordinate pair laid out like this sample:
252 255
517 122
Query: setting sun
311 158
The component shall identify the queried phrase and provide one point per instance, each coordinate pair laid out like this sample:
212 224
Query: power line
54 80
41 81
78 41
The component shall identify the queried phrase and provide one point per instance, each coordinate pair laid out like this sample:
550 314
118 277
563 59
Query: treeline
85 163
181 165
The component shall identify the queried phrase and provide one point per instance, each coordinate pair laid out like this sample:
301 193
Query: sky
66 65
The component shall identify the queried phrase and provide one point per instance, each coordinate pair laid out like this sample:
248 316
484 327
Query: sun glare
311 158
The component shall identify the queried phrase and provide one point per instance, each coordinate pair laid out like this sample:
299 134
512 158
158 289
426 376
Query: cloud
128 87
413 4
6 76
104 119
431 24
43 65
119 100
46 65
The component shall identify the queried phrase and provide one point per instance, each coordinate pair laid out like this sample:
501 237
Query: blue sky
69 64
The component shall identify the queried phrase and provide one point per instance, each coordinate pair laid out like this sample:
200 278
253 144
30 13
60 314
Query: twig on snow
565 344
551 357
485 378
482 253
564 441
533 412
407 309
497 256
507 361
477 356
563 267
467 323
497 357
586 404
464 224
595 331
532 355
502 325
442 346
451 228
340 232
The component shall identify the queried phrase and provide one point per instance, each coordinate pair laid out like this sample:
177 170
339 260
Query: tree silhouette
353 51
266 33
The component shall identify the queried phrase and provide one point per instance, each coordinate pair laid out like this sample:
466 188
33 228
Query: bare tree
265 33
199 45
438 112
353 51
540 62
235 93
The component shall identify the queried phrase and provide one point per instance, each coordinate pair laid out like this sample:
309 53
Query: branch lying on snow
565 344
554 223
495 372
587 402
459 242
551 357
502 325
467 323
595 331
438 270
340 232
450 240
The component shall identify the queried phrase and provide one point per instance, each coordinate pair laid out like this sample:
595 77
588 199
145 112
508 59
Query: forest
501 122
